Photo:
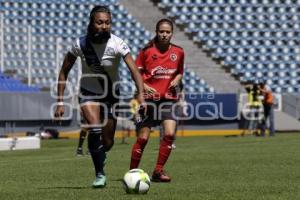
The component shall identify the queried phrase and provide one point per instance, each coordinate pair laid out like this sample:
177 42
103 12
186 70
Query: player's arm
177 79
140 65
68 63
149 90
136 77
175 82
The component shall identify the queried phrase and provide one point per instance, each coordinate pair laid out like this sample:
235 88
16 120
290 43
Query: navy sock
96 149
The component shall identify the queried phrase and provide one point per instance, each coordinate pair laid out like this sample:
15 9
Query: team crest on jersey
173 57
109 51
125 47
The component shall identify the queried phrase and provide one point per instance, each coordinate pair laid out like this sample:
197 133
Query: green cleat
100 181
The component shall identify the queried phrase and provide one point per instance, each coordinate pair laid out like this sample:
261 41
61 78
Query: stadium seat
259 40
50 20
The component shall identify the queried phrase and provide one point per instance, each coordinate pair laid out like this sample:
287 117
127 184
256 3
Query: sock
164 152
96 149
82 136
137 151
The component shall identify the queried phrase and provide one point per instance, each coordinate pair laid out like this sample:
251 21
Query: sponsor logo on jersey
173 57
160 72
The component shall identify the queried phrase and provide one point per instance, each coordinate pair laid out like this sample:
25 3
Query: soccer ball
136 181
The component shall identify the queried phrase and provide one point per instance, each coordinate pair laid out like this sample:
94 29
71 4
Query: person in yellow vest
255 106
268 104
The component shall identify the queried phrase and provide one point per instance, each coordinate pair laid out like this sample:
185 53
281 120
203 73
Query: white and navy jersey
99 60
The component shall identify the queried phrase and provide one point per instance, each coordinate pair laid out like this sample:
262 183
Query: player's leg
161 133
270 117
253 122
264 121
165 149
139 146
109 133
143 130
91 112
82 135
176 128
246 117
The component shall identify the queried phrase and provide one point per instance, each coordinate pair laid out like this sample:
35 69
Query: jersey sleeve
122 47
140 60
75 48
181 64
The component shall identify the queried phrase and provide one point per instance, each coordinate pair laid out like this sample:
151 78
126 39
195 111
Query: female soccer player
100 53
161 65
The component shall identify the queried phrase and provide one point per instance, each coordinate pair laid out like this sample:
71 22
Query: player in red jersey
161 66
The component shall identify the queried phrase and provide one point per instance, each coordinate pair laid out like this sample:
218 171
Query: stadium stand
54 26
8 84
255 40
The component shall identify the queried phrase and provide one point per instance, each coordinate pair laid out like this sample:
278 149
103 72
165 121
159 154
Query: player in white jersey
100 53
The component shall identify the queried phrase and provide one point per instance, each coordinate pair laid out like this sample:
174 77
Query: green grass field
202 168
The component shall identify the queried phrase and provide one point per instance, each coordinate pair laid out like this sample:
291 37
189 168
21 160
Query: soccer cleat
100 181
160 176
79 152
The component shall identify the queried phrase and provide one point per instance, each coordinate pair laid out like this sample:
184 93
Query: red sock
164 152
137 151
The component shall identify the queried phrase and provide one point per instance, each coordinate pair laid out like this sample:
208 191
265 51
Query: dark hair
164 20
93 12
153 40
262 84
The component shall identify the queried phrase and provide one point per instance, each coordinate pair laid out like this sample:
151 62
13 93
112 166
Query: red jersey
159 69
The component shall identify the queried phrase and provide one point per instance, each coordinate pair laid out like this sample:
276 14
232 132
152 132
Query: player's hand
142 103
149 89
141 114
59 111
174 87
174 84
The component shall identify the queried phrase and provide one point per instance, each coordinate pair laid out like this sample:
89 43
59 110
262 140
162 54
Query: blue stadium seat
8 84
263 34
50 20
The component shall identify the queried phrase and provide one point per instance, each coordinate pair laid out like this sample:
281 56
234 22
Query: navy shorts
106 103
158 111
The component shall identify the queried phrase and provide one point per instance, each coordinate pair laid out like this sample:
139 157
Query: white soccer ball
136 181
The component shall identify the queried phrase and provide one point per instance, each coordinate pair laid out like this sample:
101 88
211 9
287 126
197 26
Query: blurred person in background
254 106
268 104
